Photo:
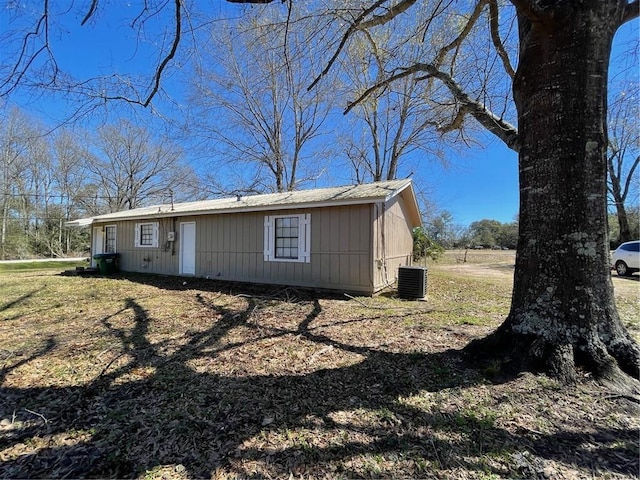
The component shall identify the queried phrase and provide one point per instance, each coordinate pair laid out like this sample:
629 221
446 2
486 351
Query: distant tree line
441 232
48 178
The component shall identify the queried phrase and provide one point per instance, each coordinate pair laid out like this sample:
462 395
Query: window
631 247
287 238
147 234
110 239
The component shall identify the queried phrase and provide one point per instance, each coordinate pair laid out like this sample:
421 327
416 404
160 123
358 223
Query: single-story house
350 238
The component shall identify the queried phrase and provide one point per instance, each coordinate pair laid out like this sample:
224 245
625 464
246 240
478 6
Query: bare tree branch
92 9
17 73
473 18
392 13
355 25
496 125
497 41
439 8
632 11
630 176
456 123
170 55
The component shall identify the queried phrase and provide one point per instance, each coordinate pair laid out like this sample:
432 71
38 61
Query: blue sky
480 182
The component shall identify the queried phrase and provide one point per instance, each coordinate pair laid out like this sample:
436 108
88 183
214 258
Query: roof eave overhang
415 210
408 195
405 190
217 211
81 222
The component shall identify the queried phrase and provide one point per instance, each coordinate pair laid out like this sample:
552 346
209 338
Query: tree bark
563 314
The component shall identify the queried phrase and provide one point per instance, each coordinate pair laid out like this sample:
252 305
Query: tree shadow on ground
313 423
23 298
8 305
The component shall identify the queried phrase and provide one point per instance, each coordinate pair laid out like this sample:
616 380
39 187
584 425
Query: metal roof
319 197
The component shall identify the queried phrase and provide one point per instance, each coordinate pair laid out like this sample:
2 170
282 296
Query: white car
626 258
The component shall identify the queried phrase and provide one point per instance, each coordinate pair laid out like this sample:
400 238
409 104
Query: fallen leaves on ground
144 377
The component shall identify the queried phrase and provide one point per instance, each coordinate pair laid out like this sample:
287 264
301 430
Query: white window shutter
268 238
137 242
155 235
305 240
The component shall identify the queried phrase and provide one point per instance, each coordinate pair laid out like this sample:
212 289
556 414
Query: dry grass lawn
146 377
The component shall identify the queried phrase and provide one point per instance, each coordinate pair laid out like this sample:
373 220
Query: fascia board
247 209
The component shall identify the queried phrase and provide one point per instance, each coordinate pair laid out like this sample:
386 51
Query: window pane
286 237
631 247
146 234
110 239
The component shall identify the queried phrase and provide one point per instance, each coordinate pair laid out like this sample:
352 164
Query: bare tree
623 156
397 121
37 190
70 177
255 108
132 168
414 113
14 135
35 30
35 182
26 182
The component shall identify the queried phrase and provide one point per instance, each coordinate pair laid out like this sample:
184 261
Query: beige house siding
162 259
230 247
393 241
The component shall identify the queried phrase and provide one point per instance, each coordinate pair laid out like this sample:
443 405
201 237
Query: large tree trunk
563 313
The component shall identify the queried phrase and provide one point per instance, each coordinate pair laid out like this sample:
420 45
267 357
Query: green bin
107 262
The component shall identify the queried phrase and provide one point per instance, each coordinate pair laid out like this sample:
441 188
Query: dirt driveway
500 265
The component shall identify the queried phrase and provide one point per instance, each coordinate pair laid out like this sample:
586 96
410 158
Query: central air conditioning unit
412 282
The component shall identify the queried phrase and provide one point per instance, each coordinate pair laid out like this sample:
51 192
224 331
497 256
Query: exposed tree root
614 365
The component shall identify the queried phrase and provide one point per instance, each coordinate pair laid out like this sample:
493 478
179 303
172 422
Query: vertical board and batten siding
340 247
393 241
230 247
162 259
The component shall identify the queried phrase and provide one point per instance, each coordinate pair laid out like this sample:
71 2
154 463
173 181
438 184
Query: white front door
97 244
187 248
